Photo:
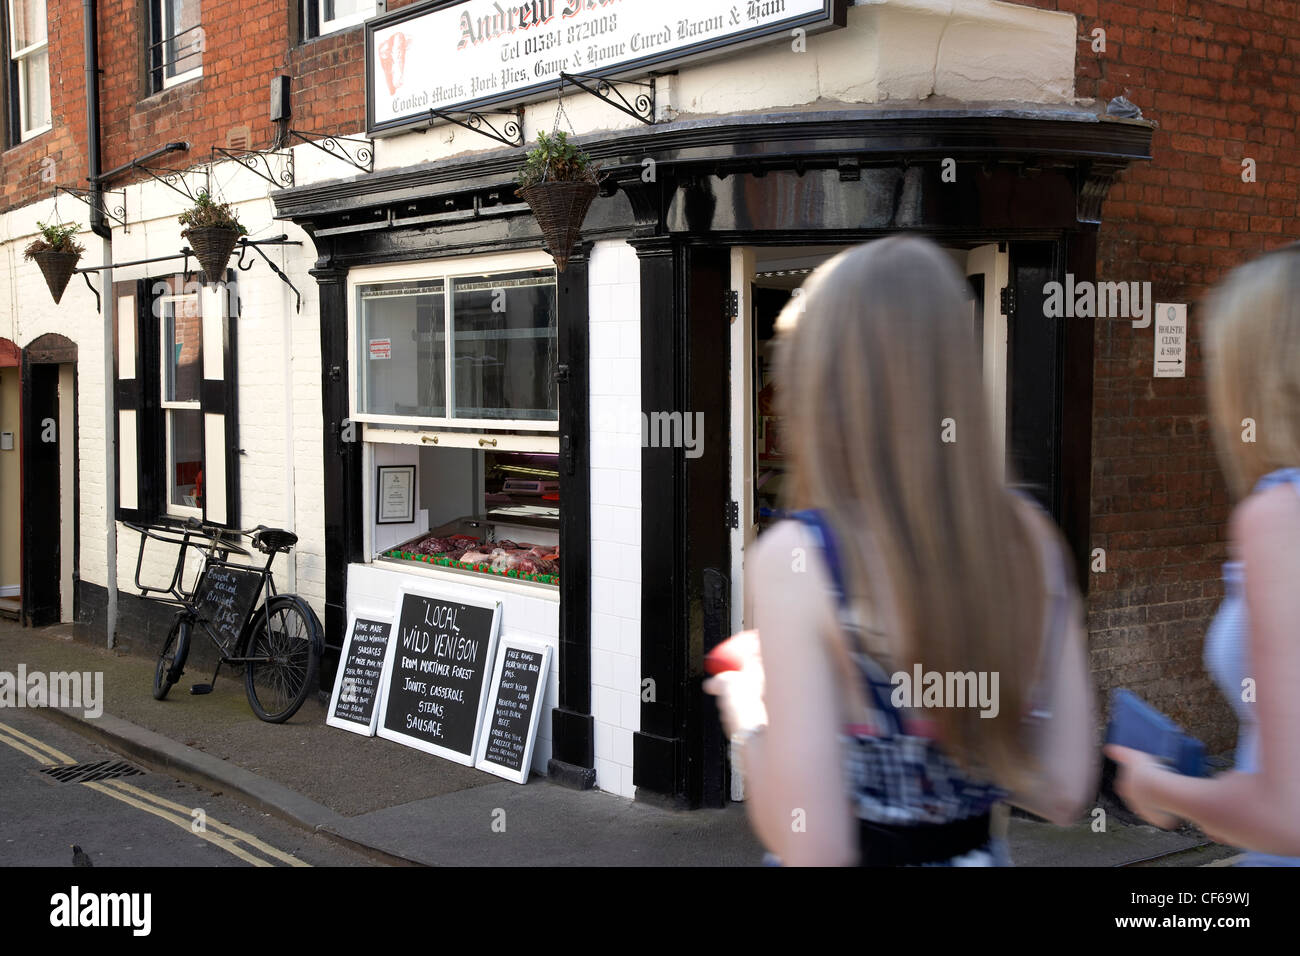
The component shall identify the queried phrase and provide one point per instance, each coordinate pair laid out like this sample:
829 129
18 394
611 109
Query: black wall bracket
641 106
357 151
245 245
175 179
511 132
185 254
259 162
116 211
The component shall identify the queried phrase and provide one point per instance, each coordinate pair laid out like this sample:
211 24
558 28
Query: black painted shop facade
1031 181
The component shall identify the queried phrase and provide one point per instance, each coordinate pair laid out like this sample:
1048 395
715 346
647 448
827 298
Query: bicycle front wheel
287 634
171 661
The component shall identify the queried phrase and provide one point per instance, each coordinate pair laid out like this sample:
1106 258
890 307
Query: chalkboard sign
437 665
357 686
224 598
514 706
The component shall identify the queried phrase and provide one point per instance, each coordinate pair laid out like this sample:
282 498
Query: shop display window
494 514
454 382
477 350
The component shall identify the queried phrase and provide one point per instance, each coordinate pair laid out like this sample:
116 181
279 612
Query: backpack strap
877 681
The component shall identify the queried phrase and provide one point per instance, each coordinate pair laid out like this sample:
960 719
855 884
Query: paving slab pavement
402 805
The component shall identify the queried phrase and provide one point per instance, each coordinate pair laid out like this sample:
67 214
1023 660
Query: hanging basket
560 208
57 267
212 246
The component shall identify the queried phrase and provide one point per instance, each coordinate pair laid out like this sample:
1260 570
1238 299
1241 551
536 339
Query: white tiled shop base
614 294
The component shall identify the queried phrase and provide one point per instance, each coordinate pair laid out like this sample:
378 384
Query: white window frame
372 437
168 29
324 26
16 55
446 270
168 405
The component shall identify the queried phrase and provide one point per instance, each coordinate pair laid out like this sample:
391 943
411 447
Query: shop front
590 451
459 371
453 398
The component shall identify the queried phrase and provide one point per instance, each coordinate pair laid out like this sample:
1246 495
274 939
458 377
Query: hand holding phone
1137 725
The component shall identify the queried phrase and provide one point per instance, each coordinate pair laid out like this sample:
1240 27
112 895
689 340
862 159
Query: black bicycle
278 640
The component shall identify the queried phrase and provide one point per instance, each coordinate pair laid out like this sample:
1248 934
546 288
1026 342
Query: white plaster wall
281 480
615 309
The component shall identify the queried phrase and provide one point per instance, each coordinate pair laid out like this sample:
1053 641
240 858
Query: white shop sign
1171 340
479 53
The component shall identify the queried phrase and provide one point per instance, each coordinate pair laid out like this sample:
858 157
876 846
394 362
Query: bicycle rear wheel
289 635
171 660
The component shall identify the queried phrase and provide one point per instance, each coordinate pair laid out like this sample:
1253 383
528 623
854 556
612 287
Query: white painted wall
281 481
615 307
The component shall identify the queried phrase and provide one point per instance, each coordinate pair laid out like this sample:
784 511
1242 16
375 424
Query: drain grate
84 772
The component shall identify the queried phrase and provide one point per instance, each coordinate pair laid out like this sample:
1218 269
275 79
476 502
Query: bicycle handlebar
267 540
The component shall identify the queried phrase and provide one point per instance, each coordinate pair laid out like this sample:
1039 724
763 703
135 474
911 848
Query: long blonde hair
888 430
1253 368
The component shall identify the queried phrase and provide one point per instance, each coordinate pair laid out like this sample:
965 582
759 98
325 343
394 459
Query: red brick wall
1223 81
246 44
63 148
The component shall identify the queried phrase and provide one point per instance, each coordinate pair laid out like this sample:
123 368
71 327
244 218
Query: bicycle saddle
269 540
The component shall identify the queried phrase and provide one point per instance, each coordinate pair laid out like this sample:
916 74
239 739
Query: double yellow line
238 843
41 752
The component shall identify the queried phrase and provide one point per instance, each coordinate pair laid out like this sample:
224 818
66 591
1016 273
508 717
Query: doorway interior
766 278
10 480
48 443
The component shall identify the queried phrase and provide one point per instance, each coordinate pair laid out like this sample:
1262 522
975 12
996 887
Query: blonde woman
1253 646
906 550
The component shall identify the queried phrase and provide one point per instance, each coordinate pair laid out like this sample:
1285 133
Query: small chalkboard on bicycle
354 705
224 598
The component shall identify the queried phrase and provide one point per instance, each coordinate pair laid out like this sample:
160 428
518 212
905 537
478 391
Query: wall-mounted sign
513 709
436 672
1171 340
358 686
472 54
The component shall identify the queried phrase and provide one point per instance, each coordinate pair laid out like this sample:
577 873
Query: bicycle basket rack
183 538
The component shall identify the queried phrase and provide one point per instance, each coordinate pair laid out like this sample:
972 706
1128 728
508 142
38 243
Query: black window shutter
219 400
310 18
155 59
137 409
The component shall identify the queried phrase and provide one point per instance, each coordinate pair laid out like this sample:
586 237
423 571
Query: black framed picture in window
396 494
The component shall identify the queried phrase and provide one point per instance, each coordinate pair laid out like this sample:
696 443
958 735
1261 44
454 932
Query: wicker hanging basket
212 246
560 208
57 267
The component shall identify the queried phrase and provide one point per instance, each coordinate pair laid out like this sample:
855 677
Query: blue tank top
895 774
1227 658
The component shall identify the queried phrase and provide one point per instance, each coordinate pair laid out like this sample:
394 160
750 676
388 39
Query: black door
42 432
